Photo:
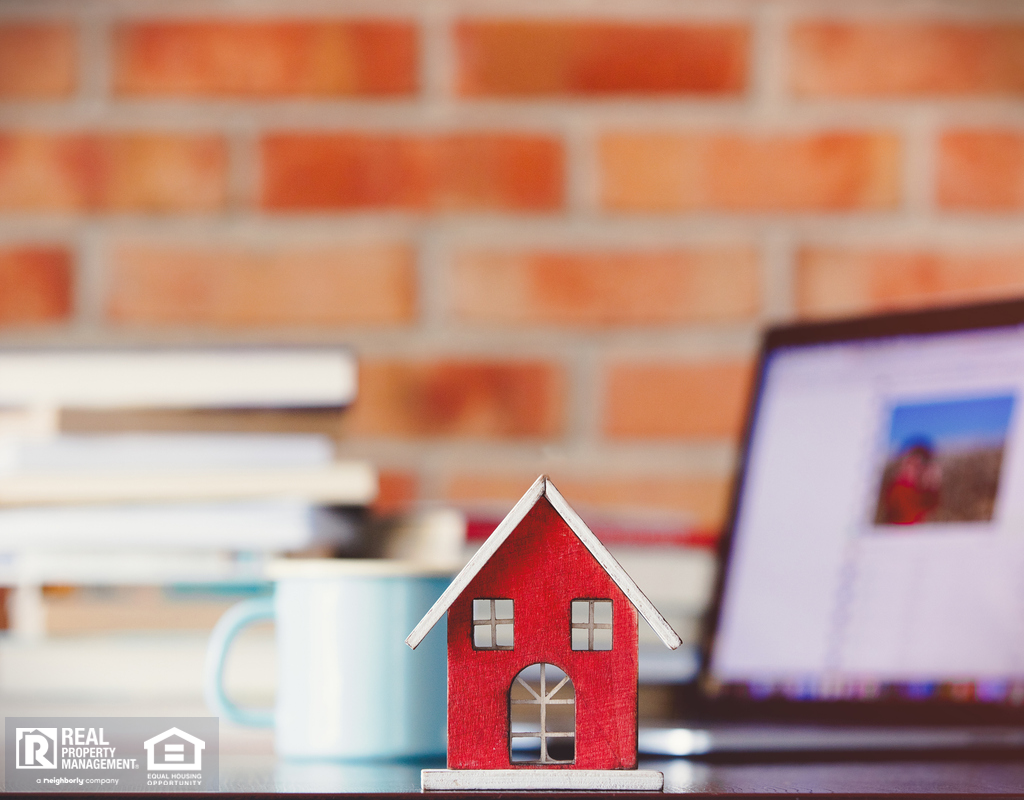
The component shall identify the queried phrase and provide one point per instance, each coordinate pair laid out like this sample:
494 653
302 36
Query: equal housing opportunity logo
174 749
111 754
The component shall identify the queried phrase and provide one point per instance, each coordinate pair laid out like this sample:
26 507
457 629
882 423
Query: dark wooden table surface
856 778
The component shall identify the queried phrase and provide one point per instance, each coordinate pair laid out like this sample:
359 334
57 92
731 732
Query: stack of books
200 492
160 508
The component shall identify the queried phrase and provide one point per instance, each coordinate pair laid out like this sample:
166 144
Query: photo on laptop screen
943 461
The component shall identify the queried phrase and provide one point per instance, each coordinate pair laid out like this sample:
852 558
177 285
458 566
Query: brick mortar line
953 9
585 376
250 227
682 345
684 459
767 77
683 342
547 118
434 284
601 358
94 65
693 345
90 282
264 9
601 231
60 233
643 10
920 165
242 180
932 234
778 275
907 9
545 458
581 181
603 459
438 61
251 11
623 233
45 335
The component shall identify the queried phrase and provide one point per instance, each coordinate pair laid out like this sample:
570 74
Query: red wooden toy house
542 658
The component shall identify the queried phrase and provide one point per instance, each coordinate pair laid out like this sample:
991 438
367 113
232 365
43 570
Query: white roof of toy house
543 487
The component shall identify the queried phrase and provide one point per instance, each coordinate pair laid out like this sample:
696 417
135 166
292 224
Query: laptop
871 588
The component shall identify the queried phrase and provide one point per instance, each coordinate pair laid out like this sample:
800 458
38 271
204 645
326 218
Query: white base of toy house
578 780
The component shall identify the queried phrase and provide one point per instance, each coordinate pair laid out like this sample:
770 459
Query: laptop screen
877 543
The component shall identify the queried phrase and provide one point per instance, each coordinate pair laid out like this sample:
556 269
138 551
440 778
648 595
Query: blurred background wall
551 230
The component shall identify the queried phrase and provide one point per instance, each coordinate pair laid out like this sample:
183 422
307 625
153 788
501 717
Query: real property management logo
111 754
35 748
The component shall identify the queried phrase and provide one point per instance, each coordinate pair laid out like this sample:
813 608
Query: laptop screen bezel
705 702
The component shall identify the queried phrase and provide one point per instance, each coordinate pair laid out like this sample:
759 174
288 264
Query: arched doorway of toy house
542 716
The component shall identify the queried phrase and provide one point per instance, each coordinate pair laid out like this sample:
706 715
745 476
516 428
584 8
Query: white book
348 483
249 525
89 452
137 566
236 377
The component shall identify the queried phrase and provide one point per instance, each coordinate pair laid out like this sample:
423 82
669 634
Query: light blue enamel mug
348 687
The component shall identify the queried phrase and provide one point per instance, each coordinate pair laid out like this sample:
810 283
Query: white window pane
503 609
481 610
580 640
560 717
503 635
581 611
525 749
602 639
603 611
482 636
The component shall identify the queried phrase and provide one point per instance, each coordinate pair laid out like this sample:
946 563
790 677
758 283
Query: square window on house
591 624
493 624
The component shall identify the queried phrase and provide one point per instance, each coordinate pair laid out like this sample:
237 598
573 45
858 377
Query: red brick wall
552 233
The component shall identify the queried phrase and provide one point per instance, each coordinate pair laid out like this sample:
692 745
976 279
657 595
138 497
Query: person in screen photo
913 492
943 461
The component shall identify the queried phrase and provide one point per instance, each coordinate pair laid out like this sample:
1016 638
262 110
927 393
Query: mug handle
224 632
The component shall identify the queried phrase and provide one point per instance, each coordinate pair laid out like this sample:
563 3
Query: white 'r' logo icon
36 748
